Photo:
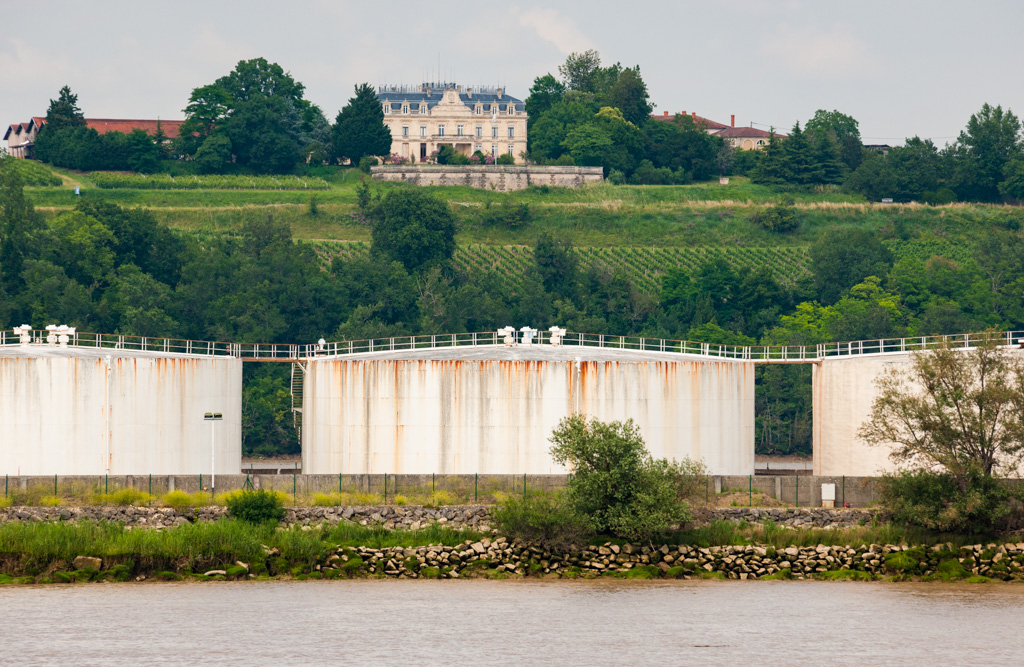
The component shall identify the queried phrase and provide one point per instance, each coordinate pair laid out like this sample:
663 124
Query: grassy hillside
642 230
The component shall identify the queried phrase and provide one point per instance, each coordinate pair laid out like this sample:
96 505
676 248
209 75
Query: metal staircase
298 381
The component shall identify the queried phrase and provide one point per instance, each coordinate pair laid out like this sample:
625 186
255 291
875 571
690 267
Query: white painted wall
495 414
52 405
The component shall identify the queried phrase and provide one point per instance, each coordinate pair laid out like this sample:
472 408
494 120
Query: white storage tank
491 409
90 411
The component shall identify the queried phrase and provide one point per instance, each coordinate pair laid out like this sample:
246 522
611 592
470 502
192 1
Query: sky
900 67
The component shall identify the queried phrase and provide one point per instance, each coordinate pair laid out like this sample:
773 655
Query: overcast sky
900 67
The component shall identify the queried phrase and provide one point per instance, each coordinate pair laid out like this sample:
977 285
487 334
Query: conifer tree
359 129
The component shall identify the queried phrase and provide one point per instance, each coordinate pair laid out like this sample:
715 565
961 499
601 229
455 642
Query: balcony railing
771 354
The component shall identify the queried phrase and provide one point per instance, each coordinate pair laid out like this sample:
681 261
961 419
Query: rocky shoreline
475 517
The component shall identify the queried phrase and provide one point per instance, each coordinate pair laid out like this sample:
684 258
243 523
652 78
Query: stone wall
502 178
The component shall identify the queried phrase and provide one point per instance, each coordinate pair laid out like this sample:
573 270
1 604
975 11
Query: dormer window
494 108
386 108
511 109
423 109
479 109
405 108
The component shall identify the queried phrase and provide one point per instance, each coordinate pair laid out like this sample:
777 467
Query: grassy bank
229 549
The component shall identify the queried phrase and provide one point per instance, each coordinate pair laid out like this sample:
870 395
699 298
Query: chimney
469 92
665 113
694 114
732 120
684 112
498 92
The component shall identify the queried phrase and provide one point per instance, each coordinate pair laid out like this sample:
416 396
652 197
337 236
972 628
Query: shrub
539 520
616 483
123 497
366 162
780 218
508 215
937 502
180 500
506 158
256 506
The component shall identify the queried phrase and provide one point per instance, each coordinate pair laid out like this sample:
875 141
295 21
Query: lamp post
213 418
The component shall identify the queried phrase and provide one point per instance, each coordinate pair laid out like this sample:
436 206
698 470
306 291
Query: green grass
34 173
117 180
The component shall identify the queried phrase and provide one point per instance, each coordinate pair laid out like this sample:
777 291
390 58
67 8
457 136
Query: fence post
750 490
707 489
385 488
55 484
476 480
295 499
200 481
524 487
6 479
339 482
844 490
151 488
106 482
796 481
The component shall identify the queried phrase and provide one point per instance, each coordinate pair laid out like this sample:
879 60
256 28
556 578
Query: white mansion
423 118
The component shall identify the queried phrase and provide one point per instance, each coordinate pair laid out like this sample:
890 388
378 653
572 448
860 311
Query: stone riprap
500 558
414 517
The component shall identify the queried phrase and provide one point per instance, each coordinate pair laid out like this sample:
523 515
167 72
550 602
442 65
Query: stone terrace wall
502 178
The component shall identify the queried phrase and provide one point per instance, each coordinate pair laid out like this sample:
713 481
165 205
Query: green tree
629 95
259 135
845 257
63 112
359 129
259 78
557 264
581 71
991 139
545 92
842 132
415 228
616 482
214 155
19 224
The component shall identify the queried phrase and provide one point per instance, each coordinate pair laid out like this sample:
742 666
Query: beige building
744 138
424 118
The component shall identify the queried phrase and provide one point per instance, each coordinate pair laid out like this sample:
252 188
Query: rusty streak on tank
492 409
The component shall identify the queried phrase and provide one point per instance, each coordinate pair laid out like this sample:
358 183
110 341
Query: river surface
510 622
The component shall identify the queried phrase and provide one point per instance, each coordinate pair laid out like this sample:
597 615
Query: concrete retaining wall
501 178
804 491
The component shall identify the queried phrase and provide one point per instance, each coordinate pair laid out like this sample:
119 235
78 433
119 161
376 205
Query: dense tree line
600 116
65 141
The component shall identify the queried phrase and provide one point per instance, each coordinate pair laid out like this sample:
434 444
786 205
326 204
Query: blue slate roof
398 96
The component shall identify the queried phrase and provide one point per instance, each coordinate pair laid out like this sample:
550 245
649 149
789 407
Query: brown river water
469 622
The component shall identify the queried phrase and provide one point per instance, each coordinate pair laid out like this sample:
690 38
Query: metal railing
295 352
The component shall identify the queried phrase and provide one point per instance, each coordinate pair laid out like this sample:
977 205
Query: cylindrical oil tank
491 409
843 391
89 411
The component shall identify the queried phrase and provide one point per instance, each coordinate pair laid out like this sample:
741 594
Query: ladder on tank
298 380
